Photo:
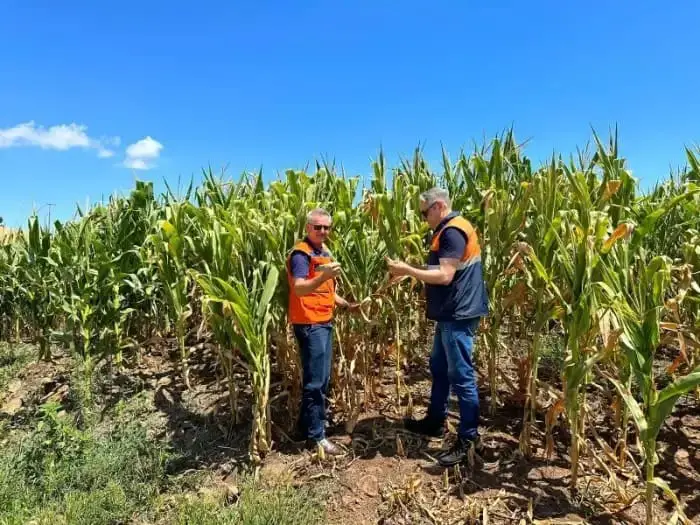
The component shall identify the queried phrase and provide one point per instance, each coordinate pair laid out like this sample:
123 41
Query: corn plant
690 308
217 250
393 213
75 252
547 201
38 287
582 233
505 200
640 309
239 312
363 270
10 296
170 243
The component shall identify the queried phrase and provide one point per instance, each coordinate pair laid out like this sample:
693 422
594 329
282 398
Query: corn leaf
634 408
268 292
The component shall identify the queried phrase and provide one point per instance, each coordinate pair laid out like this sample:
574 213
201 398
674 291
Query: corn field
572 248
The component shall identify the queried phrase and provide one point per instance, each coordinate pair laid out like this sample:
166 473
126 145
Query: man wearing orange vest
311 273
456 299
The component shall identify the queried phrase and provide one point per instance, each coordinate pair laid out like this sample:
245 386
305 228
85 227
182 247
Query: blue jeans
315 343
451 366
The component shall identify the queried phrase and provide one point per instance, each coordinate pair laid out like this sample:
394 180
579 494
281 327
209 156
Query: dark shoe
463 450
425 426
330 448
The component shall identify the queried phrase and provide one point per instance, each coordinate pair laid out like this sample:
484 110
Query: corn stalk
240 314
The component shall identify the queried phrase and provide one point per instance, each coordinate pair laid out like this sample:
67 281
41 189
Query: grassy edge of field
69 464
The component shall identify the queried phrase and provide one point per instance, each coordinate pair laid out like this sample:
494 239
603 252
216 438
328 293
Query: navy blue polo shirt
301 262
452 244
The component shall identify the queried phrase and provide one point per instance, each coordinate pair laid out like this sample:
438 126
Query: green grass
12 359
552 355
61 474
258 505
112 472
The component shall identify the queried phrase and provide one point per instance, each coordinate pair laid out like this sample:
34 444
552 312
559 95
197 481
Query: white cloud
61 137
137 164
142 154
105 153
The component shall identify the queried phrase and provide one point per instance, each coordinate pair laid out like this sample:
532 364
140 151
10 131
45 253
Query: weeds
552 354
257 505
60 473
12 359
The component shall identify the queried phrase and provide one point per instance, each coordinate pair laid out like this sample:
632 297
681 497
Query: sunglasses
424 212
319 227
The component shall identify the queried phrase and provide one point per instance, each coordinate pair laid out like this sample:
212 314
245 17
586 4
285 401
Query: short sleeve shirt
300 262
452 244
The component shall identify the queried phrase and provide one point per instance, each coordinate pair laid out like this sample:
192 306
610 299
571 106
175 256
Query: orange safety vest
472 251
317 306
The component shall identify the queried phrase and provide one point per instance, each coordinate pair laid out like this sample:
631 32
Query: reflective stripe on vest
461 266
318 305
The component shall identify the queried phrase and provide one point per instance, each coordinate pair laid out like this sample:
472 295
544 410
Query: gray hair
435 194
315 213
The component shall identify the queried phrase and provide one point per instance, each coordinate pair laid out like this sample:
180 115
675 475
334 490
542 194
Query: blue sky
278 84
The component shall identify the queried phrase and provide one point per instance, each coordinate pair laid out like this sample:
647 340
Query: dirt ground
387 475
